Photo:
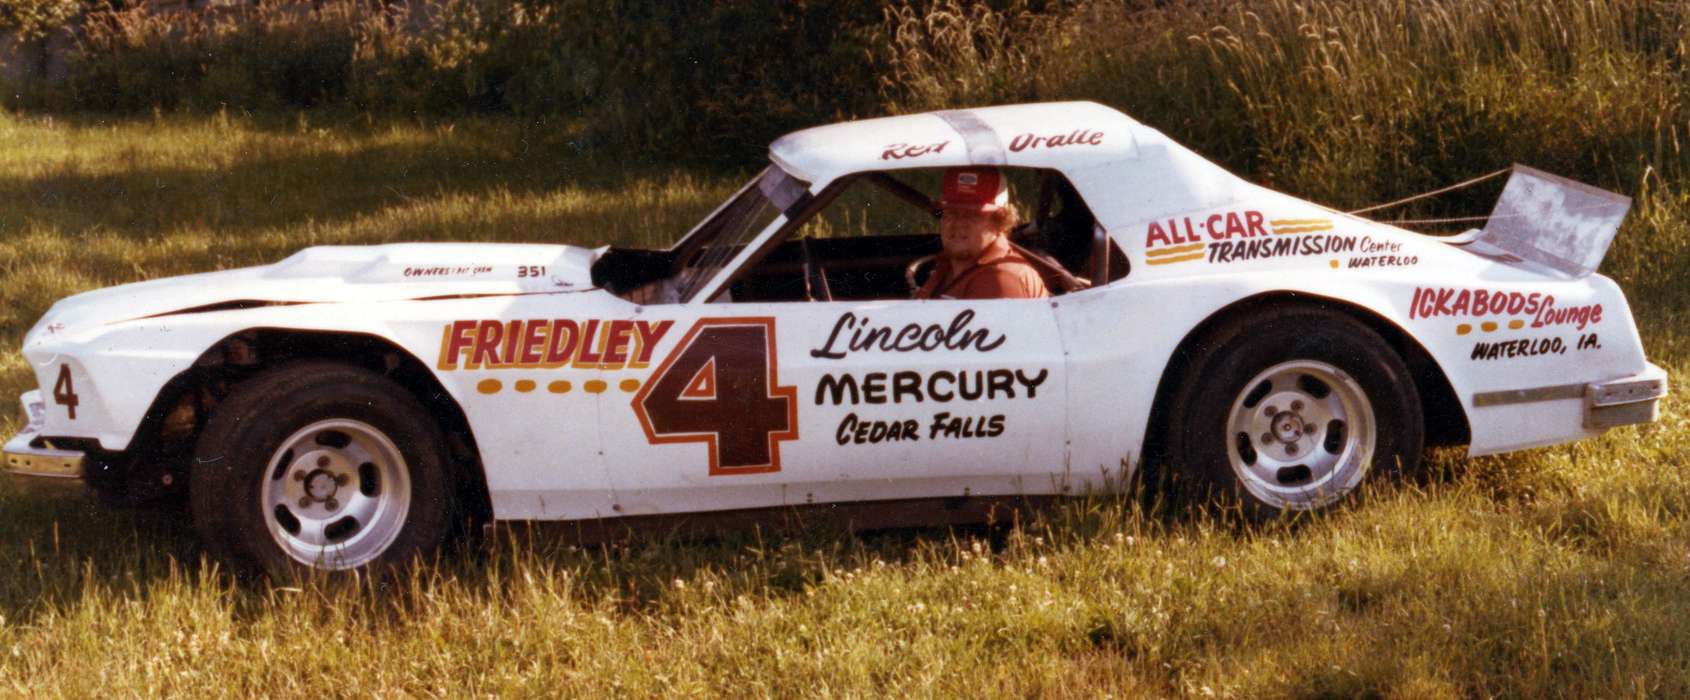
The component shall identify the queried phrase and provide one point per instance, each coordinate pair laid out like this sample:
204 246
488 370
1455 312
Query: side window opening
861 235
1062 225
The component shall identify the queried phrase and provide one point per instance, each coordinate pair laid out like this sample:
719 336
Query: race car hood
338 274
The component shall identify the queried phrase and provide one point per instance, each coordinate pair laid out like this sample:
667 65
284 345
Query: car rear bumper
1625 401
1589 407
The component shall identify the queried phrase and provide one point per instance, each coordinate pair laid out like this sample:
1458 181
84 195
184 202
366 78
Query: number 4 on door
719 387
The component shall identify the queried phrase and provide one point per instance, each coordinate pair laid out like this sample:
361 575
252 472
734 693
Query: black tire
1290 349
237 464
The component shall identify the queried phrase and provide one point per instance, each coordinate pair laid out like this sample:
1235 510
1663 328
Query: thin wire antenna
1450 220
1433 193
1486 217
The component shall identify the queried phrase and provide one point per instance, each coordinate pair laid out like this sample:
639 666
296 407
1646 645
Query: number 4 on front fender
64 392
719 386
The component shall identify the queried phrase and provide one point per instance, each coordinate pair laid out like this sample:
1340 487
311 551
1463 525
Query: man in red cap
977 261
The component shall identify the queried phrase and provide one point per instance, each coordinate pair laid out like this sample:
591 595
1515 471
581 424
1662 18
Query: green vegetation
702 80
1562 571
34 19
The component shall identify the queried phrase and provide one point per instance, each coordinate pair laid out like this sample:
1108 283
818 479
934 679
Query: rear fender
1121 339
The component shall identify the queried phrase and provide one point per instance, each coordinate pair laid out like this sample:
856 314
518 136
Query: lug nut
1291 448
1296 405
1267 438
341 479
305 501
1272 409
299 476
331 504
323 461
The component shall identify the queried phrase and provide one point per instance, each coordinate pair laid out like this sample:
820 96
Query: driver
977 261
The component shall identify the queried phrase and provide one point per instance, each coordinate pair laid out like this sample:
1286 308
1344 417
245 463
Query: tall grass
1554 572
1346 101
1557 572
1556 575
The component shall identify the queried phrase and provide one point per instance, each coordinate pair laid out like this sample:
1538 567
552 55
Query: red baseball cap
975 189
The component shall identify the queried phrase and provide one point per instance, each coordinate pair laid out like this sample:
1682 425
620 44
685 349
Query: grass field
1555 572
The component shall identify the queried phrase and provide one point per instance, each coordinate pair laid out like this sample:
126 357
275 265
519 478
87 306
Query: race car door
767 404
764 399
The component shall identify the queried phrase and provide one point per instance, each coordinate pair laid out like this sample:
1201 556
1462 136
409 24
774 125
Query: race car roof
1046 135
1126 171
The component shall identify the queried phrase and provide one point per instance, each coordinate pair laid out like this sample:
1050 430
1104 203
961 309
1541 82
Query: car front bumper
29 454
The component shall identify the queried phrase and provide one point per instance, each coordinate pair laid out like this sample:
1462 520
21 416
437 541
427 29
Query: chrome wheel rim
336 494
1301 434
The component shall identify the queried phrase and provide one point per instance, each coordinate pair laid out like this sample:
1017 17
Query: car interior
870 236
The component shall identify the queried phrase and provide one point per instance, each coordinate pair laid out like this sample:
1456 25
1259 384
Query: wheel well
1446 420
189 397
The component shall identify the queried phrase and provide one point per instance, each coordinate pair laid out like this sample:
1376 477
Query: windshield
725 234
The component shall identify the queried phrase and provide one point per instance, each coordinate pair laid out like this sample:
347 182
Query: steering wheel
815 276
912 269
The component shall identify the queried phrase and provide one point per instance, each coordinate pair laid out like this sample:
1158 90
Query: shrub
270 57
1345 101
31 20
707 80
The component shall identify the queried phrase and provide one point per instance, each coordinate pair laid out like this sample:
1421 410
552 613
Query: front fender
117 370
99 384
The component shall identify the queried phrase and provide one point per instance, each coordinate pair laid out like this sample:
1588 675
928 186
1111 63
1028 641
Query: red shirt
999 273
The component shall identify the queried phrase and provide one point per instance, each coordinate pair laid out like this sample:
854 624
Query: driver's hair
1006 218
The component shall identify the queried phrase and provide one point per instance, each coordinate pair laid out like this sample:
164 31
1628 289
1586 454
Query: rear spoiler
1550 224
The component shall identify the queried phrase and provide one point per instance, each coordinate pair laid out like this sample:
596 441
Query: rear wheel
1290 409
318 465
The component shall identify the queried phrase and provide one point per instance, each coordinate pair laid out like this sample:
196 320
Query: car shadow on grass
56 541
790 551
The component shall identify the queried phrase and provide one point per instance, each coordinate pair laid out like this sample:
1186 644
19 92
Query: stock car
346 405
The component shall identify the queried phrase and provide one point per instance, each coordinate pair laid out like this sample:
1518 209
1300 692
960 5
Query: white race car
347 405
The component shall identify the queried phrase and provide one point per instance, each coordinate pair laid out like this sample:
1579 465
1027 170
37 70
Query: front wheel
1289 409
318 465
